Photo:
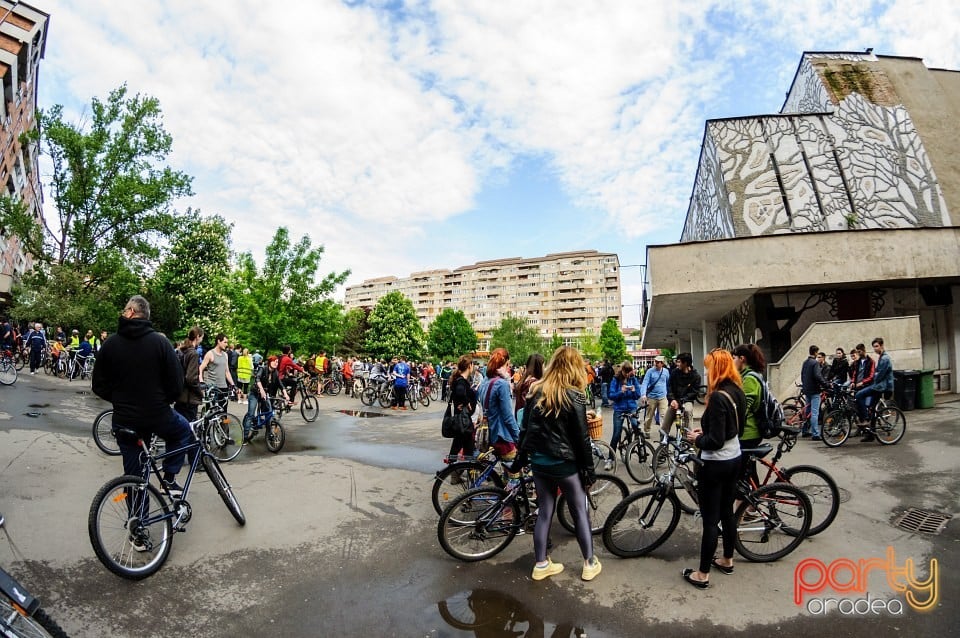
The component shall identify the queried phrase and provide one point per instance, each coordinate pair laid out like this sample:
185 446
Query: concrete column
953 328
708 342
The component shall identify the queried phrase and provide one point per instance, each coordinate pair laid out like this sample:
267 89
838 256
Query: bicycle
481 522
131 522
105 439
775 516
21 615
8 369
220 431
664 462
463 474
330 385
887 423
267 421
80 366
635 450
309 405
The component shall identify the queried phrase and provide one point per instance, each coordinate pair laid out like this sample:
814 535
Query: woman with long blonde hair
554 438
719 441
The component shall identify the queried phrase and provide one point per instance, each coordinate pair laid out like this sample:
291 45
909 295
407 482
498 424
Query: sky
408 136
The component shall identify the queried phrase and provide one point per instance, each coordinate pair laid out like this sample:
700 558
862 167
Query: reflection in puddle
38 405
497 614
33 414
361 413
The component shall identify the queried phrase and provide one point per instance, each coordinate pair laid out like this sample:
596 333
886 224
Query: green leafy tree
355 327
451 335
394 328
589 346
518 337
282 303
556 341
190 288
113 198
612 343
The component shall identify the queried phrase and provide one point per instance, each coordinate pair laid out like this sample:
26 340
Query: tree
612 344
394 328
111 194
589 346
355 327
451 335
282 303
518 337
190 288
556 341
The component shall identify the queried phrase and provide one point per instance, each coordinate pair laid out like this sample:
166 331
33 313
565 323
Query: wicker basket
595 427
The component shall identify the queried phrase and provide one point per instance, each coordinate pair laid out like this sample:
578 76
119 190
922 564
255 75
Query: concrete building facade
564 293
23 31
841 208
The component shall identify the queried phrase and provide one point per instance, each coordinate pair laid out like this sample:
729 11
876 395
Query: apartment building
564 293
23 31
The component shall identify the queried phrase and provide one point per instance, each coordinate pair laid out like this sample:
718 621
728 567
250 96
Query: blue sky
406 136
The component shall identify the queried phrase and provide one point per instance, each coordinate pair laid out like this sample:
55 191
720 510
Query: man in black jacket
606 376
682 389
139 373
811 378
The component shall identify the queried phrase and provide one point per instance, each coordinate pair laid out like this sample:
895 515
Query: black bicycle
132 522
21 615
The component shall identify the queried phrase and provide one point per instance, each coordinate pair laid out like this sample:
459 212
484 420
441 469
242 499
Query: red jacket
286 363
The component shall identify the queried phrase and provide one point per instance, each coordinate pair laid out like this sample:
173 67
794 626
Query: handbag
455 423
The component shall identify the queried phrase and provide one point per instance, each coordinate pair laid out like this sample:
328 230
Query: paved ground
341 539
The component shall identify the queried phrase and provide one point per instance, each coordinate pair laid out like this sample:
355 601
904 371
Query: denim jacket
883 377
499 410
623 399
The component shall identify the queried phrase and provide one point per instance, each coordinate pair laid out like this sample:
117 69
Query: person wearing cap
653 392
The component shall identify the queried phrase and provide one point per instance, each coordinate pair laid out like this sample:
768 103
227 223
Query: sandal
688 576
722 568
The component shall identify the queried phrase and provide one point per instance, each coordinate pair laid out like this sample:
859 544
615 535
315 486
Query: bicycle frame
150 465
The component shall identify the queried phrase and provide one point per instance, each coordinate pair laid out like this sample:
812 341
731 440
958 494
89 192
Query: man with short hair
682 390
811 378
653 392
606 376
882 383
401 376
139 373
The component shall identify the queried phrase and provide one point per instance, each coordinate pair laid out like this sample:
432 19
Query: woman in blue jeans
719 441
624 391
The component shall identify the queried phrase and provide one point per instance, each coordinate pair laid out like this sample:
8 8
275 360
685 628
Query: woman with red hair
719 441
495 397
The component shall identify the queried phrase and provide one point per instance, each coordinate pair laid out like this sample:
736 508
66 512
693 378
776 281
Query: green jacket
754 392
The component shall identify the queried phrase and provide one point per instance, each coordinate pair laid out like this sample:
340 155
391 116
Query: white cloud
358 124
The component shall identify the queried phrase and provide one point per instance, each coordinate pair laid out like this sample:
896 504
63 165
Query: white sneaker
608 465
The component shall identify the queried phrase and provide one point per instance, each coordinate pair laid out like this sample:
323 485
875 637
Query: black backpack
770 413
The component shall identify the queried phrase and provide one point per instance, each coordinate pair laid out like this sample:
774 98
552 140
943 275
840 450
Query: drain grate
918 520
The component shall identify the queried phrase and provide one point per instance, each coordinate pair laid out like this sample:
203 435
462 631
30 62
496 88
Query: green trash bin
925 390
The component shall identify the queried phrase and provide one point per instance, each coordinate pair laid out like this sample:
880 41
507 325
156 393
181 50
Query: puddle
361 414
500 614
33 414
38 405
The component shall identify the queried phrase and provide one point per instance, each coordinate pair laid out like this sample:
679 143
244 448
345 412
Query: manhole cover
361 414
917 520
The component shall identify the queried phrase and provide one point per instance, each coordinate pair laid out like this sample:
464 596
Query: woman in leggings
554 439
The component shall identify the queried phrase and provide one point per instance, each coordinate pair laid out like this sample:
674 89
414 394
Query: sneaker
33 373
608 465
174 487
591 568
816 437
550 569
138 545
750 516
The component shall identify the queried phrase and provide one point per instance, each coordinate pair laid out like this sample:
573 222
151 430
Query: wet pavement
341 539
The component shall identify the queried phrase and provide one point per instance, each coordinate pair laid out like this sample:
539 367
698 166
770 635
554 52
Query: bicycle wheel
368 396
822 491
103 433
127 527
20 360
435 392
225 438
891 425
8 373
641 522
425 398
478 524
639 461
662 463
36 625
223 488
457 478
385 396
274 436
309 408
602 454
605 494
412 399
836 428
333 388
771 521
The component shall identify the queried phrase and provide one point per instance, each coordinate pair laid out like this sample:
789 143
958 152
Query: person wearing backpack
750 362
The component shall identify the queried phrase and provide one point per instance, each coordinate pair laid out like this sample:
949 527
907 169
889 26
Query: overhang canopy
696 282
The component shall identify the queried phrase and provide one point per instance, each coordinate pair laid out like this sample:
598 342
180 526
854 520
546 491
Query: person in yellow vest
244 372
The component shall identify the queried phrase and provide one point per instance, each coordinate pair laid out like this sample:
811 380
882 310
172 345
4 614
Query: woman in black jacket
554 438
462 397
718 440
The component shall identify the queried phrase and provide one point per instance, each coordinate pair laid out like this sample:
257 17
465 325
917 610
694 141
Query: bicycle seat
758 452
128 435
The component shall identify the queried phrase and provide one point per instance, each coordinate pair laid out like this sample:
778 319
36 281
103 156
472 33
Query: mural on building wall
808 94
737 326
862 166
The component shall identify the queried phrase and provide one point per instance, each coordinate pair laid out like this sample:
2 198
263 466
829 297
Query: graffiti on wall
861 166
736 326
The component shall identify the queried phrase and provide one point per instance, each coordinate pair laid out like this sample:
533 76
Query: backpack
770 413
